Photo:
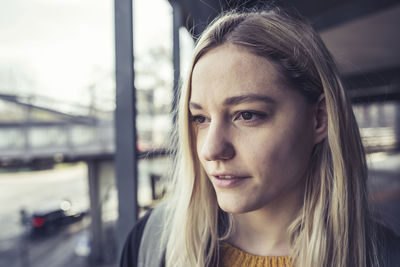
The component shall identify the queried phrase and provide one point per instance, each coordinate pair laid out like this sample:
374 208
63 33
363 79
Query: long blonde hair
332 225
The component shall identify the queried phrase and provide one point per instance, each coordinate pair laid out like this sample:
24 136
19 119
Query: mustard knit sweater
231 256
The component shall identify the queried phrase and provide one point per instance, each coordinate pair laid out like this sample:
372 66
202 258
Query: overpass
32 133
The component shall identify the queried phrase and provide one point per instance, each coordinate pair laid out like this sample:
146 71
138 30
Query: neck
264 232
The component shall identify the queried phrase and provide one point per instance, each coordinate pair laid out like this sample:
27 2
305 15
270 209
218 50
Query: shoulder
130 251
143 242
390 242
153 243
393 247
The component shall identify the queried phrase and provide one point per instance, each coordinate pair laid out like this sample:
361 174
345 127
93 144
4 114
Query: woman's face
254 135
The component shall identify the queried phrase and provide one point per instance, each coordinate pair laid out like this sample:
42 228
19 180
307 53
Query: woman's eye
249 116
199 119
246 115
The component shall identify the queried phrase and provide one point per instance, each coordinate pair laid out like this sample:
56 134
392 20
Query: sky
64 49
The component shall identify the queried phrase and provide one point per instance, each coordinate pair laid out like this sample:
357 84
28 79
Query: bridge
32 130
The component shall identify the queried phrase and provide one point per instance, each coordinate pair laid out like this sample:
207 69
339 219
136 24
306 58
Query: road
68 247
30 190
57 249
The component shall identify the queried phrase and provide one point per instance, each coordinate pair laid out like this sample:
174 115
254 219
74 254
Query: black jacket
130 252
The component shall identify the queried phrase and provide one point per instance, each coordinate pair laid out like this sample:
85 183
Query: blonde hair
333 228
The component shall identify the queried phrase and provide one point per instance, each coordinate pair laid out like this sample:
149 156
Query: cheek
261 151
198 142
280 152
273 154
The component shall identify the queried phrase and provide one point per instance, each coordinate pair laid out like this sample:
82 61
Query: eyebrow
235 100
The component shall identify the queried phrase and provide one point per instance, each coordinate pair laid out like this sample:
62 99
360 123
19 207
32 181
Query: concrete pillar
125 120
176 24
96 227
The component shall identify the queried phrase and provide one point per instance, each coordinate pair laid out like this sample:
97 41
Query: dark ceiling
363 36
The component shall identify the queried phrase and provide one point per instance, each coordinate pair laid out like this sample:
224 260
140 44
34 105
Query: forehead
231 70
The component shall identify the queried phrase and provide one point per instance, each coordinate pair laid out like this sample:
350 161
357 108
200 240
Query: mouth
227 180
228 176
225 176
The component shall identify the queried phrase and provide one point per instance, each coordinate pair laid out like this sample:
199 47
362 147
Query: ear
320 120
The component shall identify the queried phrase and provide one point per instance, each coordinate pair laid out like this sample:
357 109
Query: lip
227 180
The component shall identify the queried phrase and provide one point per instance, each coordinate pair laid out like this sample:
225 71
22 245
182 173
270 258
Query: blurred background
86 93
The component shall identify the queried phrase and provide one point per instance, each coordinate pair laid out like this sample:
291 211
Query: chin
234 206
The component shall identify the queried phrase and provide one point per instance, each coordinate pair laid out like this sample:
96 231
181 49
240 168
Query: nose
217 144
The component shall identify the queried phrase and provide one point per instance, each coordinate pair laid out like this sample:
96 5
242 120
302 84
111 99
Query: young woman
270 169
